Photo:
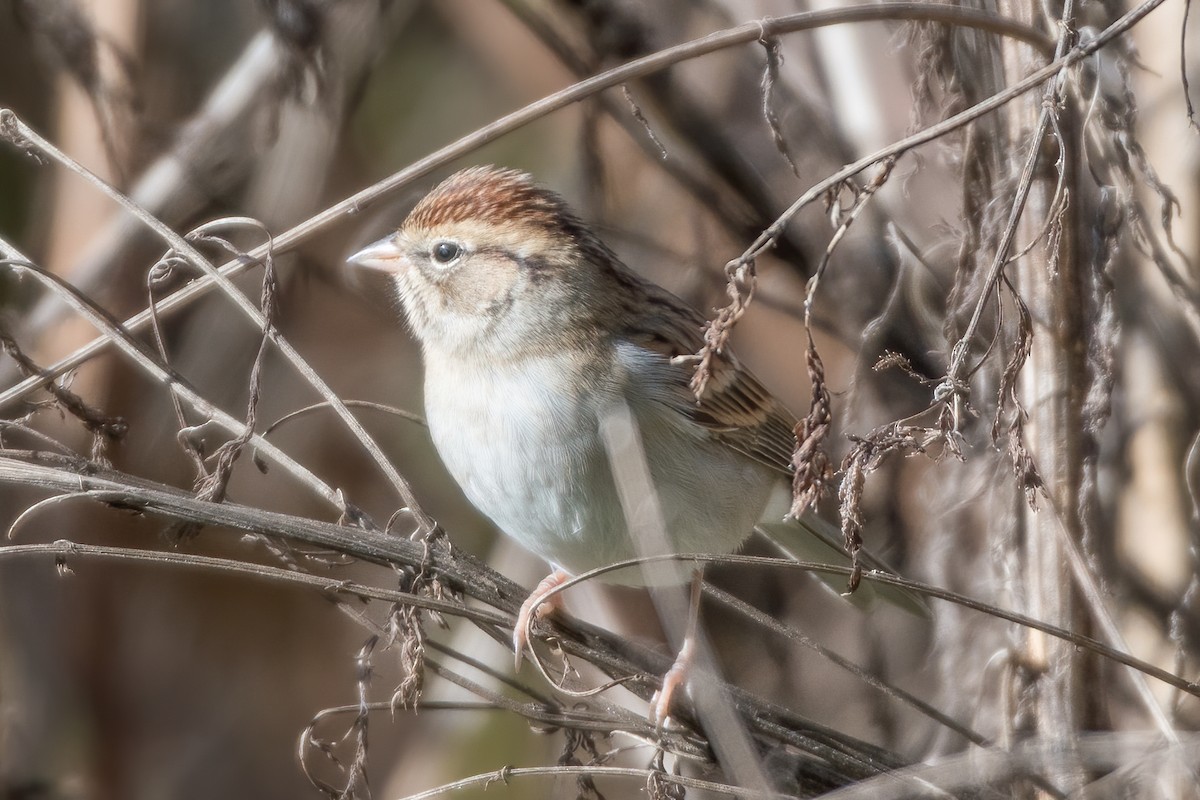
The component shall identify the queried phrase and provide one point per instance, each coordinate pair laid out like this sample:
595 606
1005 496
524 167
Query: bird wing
735 408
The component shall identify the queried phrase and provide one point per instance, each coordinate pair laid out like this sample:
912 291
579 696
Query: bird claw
660 708
536 606
520 639
673 679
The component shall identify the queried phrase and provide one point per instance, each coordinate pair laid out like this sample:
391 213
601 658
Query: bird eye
445 252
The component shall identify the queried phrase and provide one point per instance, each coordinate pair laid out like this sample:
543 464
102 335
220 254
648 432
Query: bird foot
536 606
673 679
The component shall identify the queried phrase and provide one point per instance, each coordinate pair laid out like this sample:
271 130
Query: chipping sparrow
533 332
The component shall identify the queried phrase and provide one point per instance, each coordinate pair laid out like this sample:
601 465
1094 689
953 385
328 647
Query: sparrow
534 336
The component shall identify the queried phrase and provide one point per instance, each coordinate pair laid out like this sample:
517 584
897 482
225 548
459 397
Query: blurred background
131 680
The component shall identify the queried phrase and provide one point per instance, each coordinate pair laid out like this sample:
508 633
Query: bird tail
813 539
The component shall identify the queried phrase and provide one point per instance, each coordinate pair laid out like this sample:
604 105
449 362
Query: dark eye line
528 263
533 263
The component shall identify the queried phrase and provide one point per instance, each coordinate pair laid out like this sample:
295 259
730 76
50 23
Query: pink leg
535 607
677 676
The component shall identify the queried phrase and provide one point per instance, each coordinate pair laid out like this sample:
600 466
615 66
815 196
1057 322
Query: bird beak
382 255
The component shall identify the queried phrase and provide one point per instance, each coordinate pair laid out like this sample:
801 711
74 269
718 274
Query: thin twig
149 363
742 34
14 129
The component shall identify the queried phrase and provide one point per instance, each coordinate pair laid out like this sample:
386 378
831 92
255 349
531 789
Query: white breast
525 446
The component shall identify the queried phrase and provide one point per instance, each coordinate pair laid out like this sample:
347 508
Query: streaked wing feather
736 408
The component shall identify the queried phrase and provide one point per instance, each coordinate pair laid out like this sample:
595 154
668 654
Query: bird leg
536 607
679 673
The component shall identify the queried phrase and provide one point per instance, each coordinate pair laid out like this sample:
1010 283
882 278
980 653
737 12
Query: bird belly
530 458
533 459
